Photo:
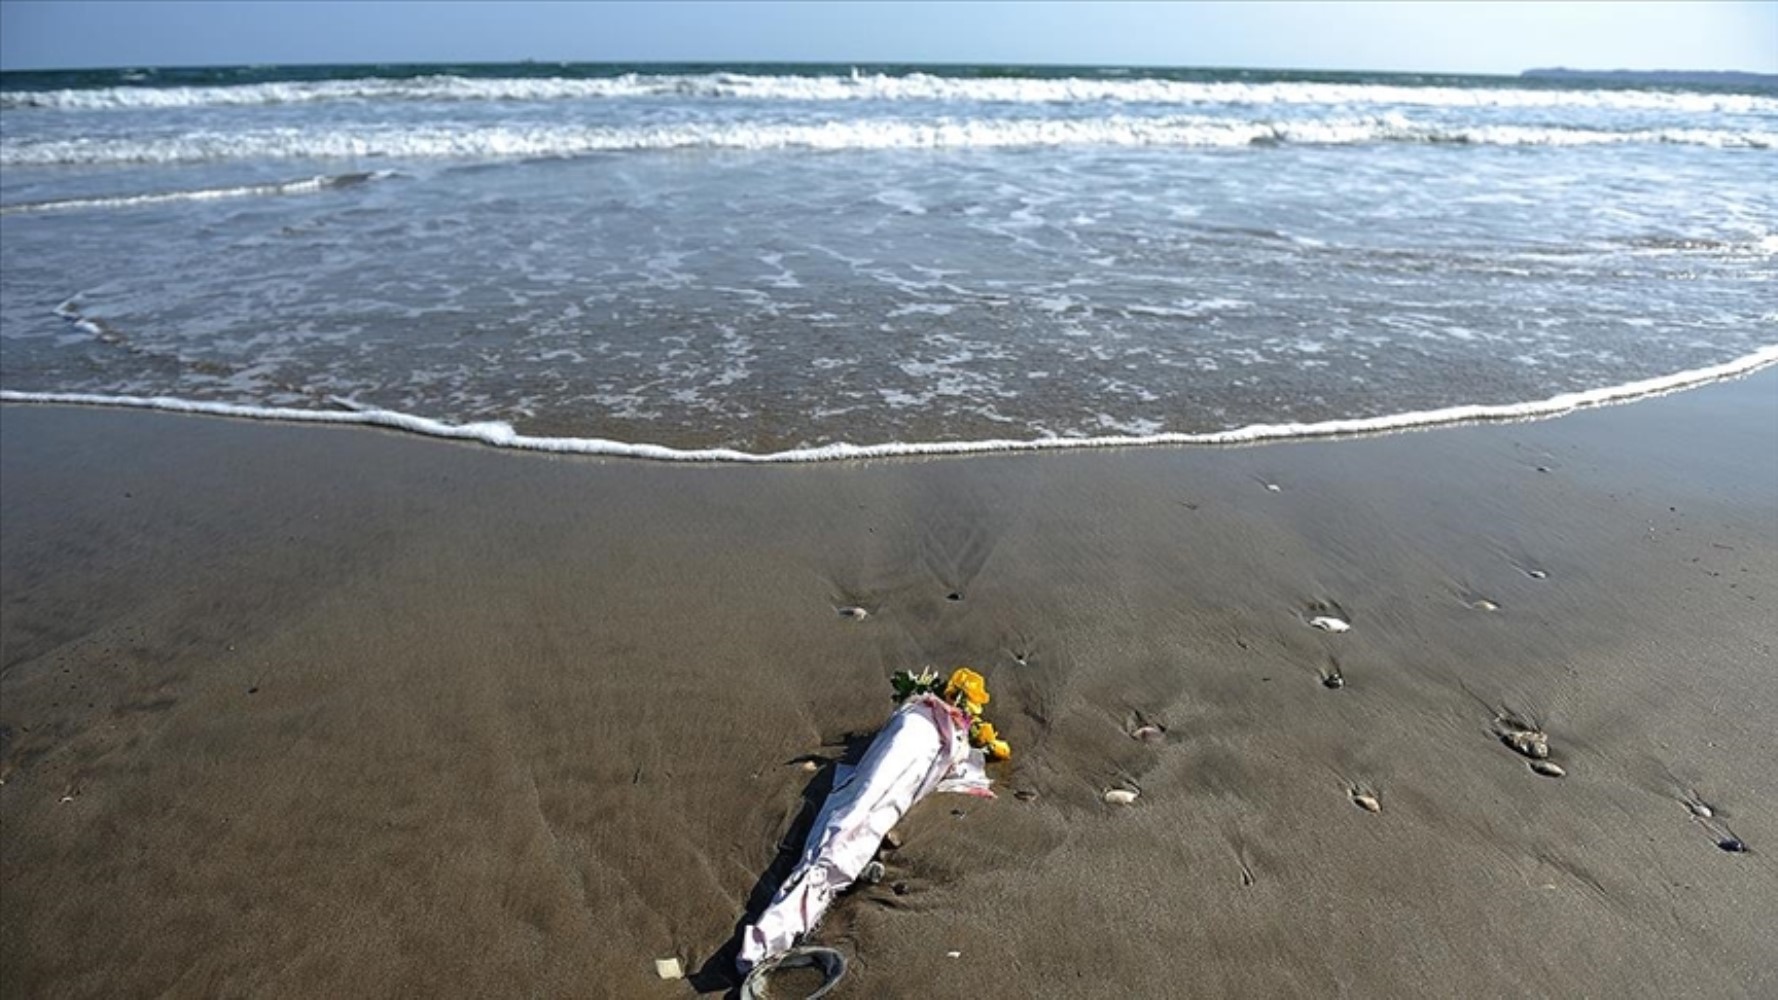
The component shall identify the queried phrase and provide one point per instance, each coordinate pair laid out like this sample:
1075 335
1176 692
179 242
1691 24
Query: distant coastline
1668 77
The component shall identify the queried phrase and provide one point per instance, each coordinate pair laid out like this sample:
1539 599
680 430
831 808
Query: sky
1439 36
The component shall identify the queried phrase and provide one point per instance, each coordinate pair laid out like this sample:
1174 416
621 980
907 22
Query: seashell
1366 801
1120 796
953 954
1485 605
1733 845
1528 742
1274 488
1699 809
1549 768
1537 574
872 873
1333 680
1150 733
855 613
810 767
669 968
1328 623
891 840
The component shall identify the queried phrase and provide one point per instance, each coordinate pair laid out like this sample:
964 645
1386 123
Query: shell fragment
1549 768
1120 796
669 968
1528 742
1328 623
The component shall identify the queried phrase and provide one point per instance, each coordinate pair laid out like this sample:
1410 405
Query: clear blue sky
1425 36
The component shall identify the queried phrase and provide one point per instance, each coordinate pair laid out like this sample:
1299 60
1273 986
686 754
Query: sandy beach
308 711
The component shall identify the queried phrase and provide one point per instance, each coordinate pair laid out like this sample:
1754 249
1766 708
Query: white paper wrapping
924 745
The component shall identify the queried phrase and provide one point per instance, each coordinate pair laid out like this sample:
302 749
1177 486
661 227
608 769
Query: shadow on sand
718 971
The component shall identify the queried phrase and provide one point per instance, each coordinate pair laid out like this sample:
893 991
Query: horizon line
1505 74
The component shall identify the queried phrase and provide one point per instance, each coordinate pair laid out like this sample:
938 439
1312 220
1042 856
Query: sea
794 262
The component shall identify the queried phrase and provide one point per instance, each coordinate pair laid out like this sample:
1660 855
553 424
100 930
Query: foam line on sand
503 435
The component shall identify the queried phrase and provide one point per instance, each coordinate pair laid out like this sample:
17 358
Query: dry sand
300 711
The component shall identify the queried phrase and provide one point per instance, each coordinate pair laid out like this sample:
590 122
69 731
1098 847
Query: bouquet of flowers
965 691
934 741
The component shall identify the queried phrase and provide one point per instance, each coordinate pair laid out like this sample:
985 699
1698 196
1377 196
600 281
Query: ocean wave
882 87
307 185
502 435
858 134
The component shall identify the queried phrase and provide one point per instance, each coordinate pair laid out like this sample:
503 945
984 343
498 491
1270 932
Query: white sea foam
70 311
884 87
502 435
515 141
307 185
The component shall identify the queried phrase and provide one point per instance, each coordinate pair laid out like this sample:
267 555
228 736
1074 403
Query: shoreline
502 435
294 710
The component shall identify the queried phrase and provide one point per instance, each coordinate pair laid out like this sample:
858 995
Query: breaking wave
857 134
882 87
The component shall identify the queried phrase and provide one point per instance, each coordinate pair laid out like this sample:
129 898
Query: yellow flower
983 733
999 750
968 683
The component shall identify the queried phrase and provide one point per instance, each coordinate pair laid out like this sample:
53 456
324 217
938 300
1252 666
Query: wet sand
333 712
